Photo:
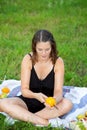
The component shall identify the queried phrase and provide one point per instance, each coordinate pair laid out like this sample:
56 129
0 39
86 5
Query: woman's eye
47 49
39 49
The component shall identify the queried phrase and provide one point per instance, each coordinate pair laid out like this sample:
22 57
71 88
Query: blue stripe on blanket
83 103
14 91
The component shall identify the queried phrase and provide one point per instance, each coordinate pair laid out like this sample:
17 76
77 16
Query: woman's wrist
58 99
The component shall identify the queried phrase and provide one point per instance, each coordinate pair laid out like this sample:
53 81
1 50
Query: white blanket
77 95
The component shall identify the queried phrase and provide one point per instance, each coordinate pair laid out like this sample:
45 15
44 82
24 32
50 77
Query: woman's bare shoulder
59 63
27 57
27 61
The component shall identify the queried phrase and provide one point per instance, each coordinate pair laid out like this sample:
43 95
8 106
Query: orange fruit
51 101
5 90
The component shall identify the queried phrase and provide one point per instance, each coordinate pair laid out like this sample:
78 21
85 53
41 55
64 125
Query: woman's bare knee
11 102
68 104
3 103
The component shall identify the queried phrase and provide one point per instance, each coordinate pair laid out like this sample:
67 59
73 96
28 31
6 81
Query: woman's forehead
43 44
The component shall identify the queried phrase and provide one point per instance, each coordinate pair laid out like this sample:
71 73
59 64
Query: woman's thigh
12 101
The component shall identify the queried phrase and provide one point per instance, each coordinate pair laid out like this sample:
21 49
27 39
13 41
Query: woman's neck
45 61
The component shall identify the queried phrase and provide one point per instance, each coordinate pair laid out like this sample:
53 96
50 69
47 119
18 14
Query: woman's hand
40 97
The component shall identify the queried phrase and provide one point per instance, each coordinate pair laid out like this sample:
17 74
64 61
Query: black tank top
45 86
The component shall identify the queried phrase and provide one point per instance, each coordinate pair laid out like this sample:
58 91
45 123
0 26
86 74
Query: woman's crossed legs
17 109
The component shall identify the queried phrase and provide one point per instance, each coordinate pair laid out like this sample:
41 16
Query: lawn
20 125
66 19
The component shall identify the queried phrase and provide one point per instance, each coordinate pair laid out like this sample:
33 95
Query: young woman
42 76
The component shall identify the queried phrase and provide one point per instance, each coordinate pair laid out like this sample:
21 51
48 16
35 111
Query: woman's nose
43 52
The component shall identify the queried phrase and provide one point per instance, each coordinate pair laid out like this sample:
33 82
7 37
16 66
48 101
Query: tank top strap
29 54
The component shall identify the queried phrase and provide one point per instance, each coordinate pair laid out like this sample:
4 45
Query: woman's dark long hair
44 36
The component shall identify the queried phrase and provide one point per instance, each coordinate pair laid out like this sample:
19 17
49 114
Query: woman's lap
32 104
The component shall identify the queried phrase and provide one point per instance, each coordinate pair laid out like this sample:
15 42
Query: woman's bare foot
38 120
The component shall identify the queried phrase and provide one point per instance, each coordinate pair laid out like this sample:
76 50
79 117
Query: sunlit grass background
66 19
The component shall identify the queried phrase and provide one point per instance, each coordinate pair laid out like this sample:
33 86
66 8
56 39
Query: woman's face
43 50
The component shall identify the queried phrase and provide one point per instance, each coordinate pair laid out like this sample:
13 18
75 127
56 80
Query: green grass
66 19
20 125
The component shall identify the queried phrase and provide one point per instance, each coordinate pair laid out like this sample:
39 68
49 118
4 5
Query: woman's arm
26 67
59 79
